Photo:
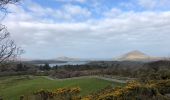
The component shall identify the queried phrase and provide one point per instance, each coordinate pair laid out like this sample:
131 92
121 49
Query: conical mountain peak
134 55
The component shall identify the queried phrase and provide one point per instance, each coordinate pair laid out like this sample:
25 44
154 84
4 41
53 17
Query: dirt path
111 79
98 77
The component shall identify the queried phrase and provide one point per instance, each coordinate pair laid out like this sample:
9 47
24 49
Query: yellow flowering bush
134 90
58 94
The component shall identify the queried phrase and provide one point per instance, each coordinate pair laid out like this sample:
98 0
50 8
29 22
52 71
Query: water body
68 63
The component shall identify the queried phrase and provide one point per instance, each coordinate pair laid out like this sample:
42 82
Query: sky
48 29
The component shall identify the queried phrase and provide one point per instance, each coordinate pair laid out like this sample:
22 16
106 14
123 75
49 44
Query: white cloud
65 12
152 4
124 30
148 3
127 24
113 12
80 1
76 10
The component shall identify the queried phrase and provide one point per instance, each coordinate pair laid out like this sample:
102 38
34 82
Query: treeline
17 68
142 70
150 70
96 68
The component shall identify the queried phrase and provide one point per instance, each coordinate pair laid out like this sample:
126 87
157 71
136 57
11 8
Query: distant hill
63 58
43 61
138 56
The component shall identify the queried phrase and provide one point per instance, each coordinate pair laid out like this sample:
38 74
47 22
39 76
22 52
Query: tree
55 67
46 66
8 48
4 3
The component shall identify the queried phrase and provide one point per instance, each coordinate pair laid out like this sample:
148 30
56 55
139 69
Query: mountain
135 56
63 58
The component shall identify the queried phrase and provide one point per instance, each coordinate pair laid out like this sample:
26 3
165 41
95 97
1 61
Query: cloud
75 10
33 11
112 12
154 4
118 30
67 1
66 12
148 3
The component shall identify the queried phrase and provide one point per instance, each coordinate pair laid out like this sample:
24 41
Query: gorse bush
163 86
59 94
134 91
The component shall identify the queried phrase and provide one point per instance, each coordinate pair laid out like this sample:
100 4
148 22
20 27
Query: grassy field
13 87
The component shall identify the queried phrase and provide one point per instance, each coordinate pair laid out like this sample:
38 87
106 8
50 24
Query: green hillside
13 87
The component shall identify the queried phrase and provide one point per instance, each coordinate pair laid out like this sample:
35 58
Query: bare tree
8 48
3 3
